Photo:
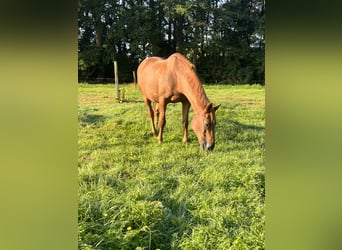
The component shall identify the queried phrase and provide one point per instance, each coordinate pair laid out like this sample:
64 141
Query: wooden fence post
134 78
116 80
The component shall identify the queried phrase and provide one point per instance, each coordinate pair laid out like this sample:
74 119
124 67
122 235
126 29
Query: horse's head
204 126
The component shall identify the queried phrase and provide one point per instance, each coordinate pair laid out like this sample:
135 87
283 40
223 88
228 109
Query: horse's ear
216 108
209 108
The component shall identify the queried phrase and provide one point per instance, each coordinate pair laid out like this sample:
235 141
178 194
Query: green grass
137 194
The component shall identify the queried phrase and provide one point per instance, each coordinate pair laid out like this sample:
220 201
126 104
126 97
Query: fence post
116 80
134 78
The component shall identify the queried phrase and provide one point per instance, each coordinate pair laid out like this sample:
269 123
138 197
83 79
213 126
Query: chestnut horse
174 80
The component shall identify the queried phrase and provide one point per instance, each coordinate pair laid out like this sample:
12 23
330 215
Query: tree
225 39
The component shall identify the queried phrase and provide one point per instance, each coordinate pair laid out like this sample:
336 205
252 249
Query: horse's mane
180 63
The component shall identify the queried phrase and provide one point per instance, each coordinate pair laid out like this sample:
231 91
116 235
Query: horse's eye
207 125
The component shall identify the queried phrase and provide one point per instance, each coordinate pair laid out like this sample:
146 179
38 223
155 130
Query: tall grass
137 194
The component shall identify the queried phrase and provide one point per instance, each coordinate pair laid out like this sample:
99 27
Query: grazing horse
174 80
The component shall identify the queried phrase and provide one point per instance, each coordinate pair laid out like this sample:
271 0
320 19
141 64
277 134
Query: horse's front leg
185 121
162 120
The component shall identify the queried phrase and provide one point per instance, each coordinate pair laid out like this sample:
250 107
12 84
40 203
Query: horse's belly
177 98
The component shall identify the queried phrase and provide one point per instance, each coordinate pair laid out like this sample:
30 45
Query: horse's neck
196 96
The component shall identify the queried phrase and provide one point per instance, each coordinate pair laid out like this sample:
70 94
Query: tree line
224 39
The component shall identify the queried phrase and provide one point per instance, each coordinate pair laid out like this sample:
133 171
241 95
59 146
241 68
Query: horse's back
147 62
148 68
159 78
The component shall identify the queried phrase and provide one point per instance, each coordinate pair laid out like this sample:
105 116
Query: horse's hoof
185 140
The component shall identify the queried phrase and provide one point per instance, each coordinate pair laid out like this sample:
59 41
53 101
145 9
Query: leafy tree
225 39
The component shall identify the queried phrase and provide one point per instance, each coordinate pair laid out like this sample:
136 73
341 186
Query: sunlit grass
137 194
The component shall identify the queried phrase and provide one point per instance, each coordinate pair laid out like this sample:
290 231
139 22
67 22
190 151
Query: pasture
137 194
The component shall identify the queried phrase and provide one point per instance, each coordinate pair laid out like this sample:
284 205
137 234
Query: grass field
137 194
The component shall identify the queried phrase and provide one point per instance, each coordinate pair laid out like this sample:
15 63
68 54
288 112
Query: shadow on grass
228 126
85 119
242 126
232 133
131 100
176 219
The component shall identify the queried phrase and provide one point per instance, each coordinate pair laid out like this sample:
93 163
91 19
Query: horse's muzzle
206 146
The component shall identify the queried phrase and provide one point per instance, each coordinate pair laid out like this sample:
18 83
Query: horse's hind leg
156 112
150 115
